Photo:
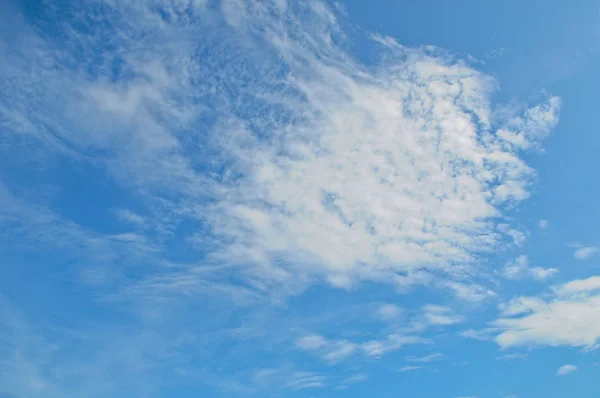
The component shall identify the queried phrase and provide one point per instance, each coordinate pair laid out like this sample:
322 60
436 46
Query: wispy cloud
585 252
520 269
314 165
409 368
39 362
304 380
487 334
355 378
287 378
436 315
246 167
414 331
511 357
334 351
427 358
389 312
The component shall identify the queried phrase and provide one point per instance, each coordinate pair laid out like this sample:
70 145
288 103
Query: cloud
495 53
436 315
60 361
569 318
428 358
520 269
565 370
583 253
335 351
286 378
510 357
543 224
468 292
526 131
330 350
246 167
409 368
355 378
313 165
413 331
304 380
481 335
580 286
388 312
310 343
130 217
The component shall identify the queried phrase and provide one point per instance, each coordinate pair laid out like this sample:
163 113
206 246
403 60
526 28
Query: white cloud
329 350
495 53
580 286
565 370
427 358
304 380
130 217
411 332
543 224
396 173
275 154
388 312
526 131
56 362
355 378
510 357
583 253
569 318
390 171
409 368
435 315
469 292
482 335
520 269
334 351
310 343
287 377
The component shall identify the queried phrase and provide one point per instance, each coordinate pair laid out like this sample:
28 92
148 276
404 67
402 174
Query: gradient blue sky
280 198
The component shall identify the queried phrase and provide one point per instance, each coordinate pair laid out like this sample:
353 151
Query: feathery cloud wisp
519 269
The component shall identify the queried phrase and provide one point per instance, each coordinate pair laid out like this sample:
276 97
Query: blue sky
280 198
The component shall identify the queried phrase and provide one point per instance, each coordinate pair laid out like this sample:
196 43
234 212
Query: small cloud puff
565 370
586 252
388 312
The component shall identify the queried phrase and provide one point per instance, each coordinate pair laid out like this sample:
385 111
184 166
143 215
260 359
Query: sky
280 198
